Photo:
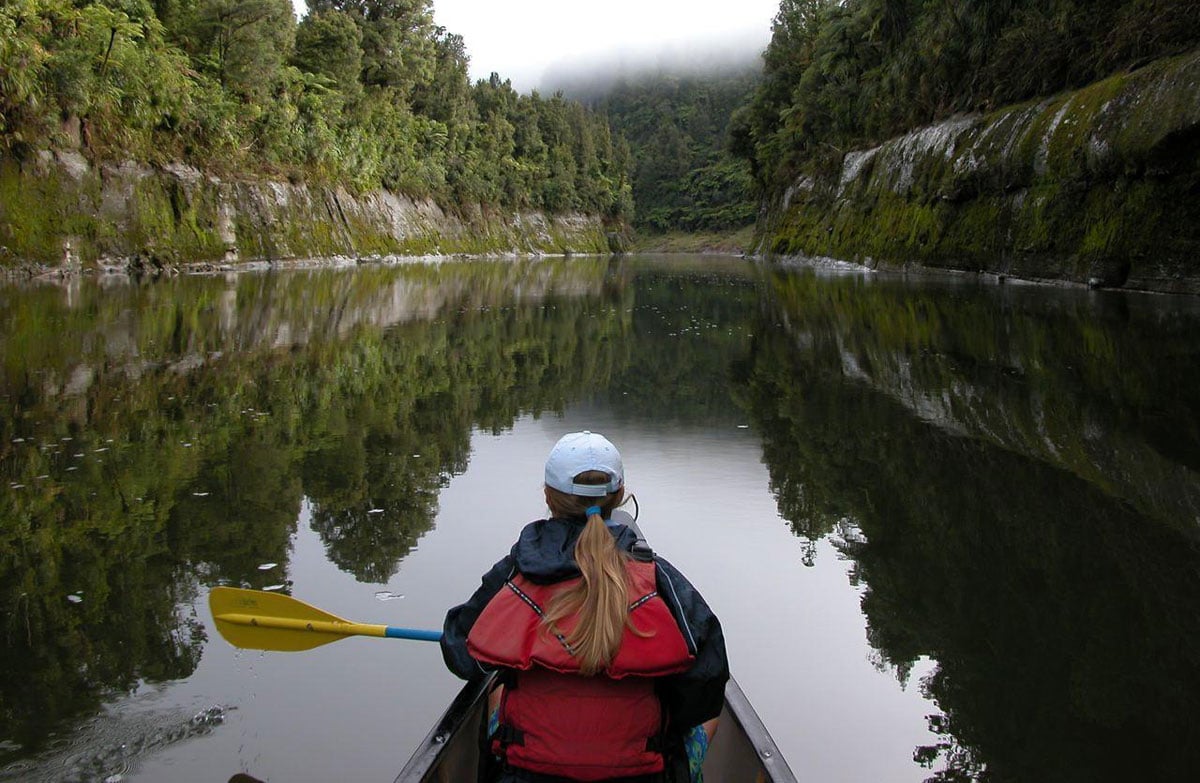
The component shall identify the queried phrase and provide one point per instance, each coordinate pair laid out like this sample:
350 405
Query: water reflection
999 468
1012 472
155 438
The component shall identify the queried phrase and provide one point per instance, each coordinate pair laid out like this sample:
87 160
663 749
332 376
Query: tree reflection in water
161 437
1011 472
998 477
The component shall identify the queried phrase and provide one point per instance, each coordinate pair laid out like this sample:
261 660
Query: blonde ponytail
600 599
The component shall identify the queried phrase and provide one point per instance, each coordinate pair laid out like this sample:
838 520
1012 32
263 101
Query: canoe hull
741 752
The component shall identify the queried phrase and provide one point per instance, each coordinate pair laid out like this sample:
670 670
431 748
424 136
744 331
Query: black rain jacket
544 553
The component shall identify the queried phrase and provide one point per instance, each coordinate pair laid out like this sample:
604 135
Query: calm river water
952 528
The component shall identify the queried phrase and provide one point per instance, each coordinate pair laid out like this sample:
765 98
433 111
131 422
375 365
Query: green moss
1097 185
24 228
976 234
151 224
696 242
1167 97
41 209
1099 238
164 220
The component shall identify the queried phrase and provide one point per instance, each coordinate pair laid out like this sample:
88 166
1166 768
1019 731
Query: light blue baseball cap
579 452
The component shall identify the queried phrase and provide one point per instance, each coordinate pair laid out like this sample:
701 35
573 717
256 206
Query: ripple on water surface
110 747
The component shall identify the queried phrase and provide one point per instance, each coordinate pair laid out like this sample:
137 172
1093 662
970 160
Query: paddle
255 620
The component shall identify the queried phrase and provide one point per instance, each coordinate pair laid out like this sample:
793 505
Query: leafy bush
365 94
840 74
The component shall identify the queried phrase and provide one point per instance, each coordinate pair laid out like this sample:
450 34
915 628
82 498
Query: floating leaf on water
187 445
80 454
75 599
388 595
117 778
18 440
102 448
743 426
73 467
375 511
415 456
43 476
267 566
274 587
200 494
17 486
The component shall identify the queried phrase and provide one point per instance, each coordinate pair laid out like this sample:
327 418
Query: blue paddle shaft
416 634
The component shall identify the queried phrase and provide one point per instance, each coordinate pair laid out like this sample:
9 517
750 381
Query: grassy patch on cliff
740 241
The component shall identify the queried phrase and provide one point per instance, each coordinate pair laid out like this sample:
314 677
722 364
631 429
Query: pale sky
519 38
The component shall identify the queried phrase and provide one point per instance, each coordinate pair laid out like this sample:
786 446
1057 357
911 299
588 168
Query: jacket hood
545 551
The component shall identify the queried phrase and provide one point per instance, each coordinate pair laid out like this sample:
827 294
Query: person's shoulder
544 552
535 533
676 580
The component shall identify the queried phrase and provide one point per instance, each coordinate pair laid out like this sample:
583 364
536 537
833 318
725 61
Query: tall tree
329 43
246 42
398 39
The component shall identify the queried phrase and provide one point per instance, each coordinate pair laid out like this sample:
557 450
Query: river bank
718 242
1094 187
61 213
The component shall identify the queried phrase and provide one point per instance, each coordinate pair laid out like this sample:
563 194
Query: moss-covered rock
60 211
1100 186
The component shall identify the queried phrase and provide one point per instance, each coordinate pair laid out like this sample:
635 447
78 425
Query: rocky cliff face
1099 186
60 211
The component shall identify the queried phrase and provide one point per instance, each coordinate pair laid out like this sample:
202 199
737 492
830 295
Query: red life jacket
556 721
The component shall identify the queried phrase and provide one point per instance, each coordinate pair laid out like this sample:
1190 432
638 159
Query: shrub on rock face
844 75
365 96
1091 186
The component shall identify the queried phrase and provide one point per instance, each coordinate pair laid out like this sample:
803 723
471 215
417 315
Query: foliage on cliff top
677 125
368 94
854 72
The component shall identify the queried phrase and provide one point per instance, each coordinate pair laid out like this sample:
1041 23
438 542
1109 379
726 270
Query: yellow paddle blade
254 620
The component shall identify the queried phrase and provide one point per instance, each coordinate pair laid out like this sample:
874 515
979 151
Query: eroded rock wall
1100 186
59 211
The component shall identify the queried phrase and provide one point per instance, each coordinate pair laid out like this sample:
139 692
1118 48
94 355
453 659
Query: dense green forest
677 125
366 93
844 74
372 93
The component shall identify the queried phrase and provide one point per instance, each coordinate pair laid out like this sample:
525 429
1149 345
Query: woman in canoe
611 666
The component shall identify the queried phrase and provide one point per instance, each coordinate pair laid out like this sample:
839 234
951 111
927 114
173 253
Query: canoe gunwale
738 707
466 704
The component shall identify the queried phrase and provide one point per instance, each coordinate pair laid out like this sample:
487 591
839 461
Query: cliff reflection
1016 489
158 438
1013 473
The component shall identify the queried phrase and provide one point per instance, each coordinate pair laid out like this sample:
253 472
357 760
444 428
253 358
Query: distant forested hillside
840 74
678 133
364 93
676 122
